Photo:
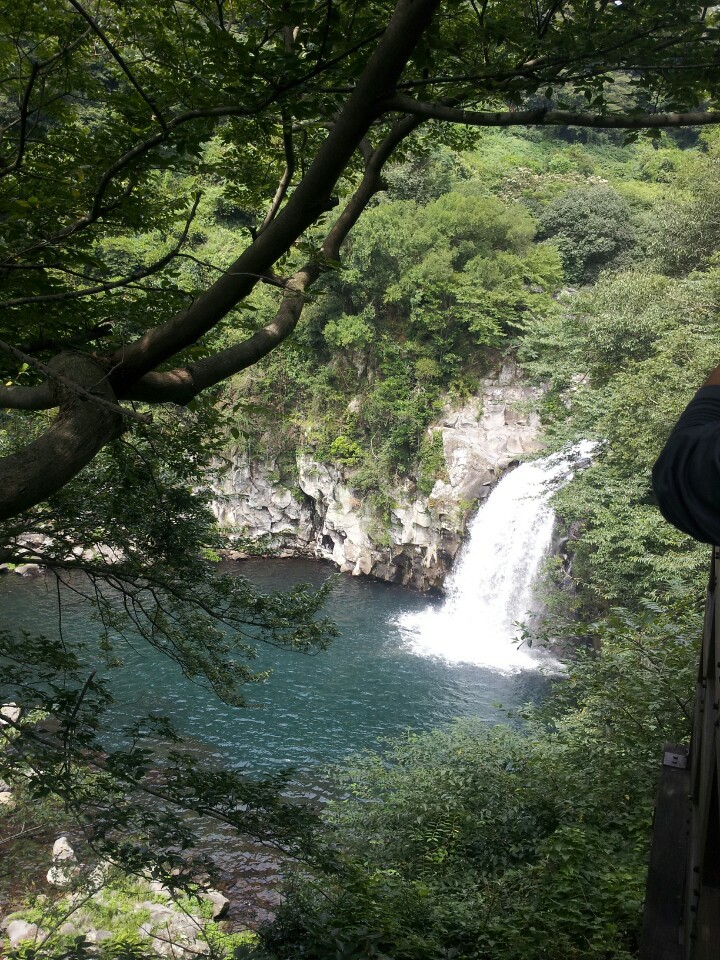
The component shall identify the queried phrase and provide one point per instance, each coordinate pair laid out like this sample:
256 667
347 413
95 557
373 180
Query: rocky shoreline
96 903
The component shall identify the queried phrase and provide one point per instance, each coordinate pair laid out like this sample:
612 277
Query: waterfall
491 587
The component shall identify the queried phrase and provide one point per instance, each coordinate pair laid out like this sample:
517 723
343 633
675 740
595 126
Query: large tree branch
59 380
81 428
15 397
182 384
370 184
87 424
406 26
545 117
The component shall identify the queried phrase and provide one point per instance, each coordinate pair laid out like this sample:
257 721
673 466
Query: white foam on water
490 589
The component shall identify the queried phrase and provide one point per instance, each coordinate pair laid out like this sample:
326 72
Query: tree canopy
126 127
287 106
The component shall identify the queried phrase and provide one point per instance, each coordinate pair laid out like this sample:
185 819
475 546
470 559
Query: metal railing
682 904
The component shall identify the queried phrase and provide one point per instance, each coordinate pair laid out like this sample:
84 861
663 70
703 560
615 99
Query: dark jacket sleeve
686 476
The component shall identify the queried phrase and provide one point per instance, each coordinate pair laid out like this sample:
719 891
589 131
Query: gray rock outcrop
9 712
322 515
220 904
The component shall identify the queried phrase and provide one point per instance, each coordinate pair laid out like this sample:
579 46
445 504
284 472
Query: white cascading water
490 589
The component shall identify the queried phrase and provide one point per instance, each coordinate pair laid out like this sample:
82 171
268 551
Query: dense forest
227 235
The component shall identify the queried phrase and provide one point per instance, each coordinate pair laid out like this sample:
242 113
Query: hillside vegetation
595 264
178 181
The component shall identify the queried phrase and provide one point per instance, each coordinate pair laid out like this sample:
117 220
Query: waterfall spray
491 587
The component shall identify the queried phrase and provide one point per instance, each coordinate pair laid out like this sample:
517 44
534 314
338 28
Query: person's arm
686 476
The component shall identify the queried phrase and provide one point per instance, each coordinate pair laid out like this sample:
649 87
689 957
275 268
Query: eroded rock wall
319 514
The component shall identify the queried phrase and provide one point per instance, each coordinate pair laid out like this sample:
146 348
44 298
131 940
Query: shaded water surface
314 710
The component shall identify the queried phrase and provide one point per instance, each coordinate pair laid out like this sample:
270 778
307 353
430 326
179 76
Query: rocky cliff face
320 515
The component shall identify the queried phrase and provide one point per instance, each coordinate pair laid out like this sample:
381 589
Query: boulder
65 865
169 928
10 711
19 930
220 903
160 889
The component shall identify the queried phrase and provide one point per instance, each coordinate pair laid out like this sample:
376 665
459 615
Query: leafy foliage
427 294
533 842
509 843
633 351
157 162
592 228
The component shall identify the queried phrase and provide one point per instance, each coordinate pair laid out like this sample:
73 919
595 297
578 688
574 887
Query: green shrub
431 462
345 451
592 228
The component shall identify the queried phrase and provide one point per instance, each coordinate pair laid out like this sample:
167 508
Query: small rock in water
28 569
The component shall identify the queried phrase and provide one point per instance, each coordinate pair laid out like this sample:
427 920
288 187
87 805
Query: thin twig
286 178
138 274
117 57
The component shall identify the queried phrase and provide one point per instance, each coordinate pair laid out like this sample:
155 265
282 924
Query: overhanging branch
16 397
80 430
544 117
407 25
182 384
67 384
